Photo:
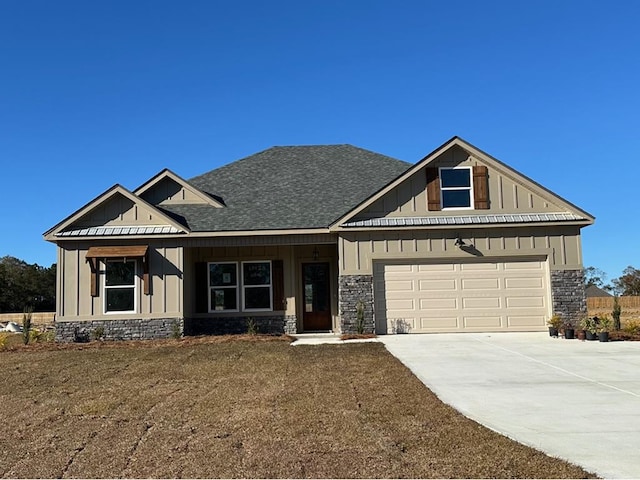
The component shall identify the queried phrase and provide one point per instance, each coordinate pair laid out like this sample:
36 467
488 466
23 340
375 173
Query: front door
316 305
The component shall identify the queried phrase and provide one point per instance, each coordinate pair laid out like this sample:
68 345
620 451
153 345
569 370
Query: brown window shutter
202 288
433 189
277 272
480 187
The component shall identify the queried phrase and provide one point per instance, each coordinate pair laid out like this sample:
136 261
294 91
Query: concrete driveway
570 399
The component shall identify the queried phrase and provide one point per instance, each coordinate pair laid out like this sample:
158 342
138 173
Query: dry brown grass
217 407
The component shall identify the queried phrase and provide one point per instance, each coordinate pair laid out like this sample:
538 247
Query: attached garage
461 296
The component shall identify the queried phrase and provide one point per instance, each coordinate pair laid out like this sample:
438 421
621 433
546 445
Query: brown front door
316 305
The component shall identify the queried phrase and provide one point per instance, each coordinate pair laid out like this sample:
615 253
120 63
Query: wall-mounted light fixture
316 254
459 242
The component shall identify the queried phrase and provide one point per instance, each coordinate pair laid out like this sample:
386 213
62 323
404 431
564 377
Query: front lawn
220 407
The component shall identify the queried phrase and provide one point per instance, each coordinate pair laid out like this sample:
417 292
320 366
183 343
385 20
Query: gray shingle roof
289 188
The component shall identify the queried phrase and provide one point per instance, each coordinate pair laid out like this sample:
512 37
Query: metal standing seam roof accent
113 231
465 220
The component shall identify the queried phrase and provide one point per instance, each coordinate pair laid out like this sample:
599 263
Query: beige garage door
454 297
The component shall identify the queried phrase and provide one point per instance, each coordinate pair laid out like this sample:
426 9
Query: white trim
106 287
244 287
210 287
460 189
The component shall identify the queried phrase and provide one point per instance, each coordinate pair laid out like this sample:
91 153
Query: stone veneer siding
351 290
271 324
567 293
129 329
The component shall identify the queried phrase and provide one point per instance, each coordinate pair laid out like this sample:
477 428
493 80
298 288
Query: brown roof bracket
131 251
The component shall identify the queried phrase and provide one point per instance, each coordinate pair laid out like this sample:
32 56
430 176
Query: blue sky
94 93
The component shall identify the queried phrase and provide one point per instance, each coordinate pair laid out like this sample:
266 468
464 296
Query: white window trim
469 188
105 287
244 287
236 287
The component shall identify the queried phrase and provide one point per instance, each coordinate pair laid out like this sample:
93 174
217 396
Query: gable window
223 287
120 286
256 286
456 189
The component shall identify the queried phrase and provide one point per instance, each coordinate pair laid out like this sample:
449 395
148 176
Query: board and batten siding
165 275
506 194
119 211
561 245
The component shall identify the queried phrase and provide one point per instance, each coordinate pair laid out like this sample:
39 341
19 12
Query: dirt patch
219 407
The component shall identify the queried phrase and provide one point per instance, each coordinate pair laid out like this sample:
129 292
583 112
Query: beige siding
119 211
506 193
164 301
168 191
358 250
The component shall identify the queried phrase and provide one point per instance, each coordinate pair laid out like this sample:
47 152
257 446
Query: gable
495 194
167 188
117 212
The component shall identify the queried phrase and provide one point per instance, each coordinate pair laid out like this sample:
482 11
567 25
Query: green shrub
176 331
3 340
632 327
26 324
616 312
98 333
252 326
360 317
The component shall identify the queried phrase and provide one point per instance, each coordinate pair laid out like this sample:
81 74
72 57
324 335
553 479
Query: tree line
626 284
23 285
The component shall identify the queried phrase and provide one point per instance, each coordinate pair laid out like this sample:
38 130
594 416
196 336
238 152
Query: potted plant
555 322
604 325
569 330
589 326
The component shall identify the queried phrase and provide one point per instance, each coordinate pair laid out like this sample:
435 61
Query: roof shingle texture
289 188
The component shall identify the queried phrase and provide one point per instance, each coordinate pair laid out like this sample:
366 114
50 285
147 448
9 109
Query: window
223 287
456 188
256 286
120 286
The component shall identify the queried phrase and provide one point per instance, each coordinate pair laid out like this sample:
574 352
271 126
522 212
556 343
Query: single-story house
322 238
593 291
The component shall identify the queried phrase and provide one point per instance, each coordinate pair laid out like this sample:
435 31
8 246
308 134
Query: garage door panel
525 302
531 265
437 284
524 282
482 322
398 268
436 267
401 305
437 324
480 283
526 321
481 302
400 286
479 267
471 296
438 303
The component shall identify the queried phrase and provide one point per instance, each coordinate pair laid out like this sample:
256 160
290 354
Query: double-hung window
223 287
256 286
249 288
120 286
456 188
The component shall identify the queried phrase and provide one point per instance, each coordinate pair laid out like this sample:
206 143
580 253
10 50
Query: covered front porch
266 284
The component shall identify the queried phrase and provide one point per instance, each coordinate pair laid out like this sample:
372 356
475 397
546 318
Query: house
593 291
323 238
